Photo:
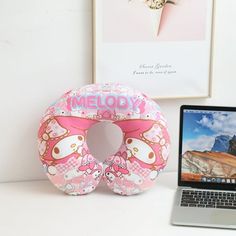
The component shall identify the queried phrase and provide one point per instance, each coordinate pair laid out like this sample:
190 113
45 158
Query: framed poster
162 48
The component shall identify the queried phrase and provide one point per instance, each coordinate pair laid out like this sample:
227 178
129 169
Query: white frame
98 47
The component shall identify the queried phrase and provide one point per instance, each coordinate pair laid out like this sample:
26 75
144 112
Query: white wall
46 48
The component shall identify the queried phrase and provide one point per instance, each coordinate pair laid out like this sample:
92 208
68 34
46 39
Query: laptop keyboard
208 199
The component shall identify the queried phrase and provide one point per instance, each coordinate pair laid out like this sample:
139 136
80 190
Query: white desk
37 208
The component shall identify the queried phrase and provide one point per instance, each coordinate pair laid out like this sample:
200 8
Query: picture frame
165 54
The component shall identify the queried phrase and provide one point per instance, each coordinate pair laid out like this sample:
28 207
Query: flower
156 4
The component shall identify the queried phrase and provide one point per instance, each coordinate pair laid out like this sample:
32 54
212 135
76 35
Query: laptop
206 193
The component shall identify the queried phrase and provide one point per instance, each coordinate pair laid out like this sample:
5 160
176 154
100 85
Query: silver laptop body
206 193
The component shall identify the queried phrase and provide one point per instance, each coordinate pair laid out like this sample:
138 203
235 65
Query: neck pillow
64 152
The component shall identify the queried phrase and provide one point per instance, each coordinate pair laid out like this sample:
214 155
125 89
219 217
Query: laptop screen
208 146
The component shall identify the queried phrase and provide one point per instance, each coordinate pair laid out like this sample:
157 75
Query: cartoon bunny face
88 189
140 150
110 176
134 178
96 174
67 146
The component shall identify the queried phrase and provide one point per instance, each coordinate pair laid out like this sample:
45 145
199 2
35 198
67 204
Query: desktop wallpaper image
209 146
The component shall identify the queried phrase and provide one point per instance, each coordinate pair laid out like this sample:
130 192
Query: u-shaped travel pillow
64 152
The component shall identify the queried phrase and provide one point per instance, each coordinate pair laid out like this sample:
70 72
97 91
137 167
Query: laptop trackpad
224 217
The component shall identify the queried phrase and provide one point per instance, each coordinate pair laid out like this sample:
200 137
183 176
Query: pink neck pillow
64 152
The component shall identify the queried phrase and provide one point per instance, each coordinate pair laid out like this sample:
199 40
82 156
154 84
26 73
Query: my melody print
64 153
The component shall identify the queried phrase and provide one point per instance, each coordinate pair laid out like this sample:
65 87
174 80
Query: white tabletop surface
37 208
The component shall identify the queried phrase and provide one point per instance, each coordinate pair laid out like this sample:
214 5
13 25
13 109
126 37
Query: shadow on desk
165 180
46 188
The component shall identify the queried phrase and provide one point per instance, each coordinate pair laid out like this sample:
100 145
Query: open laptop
206 194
